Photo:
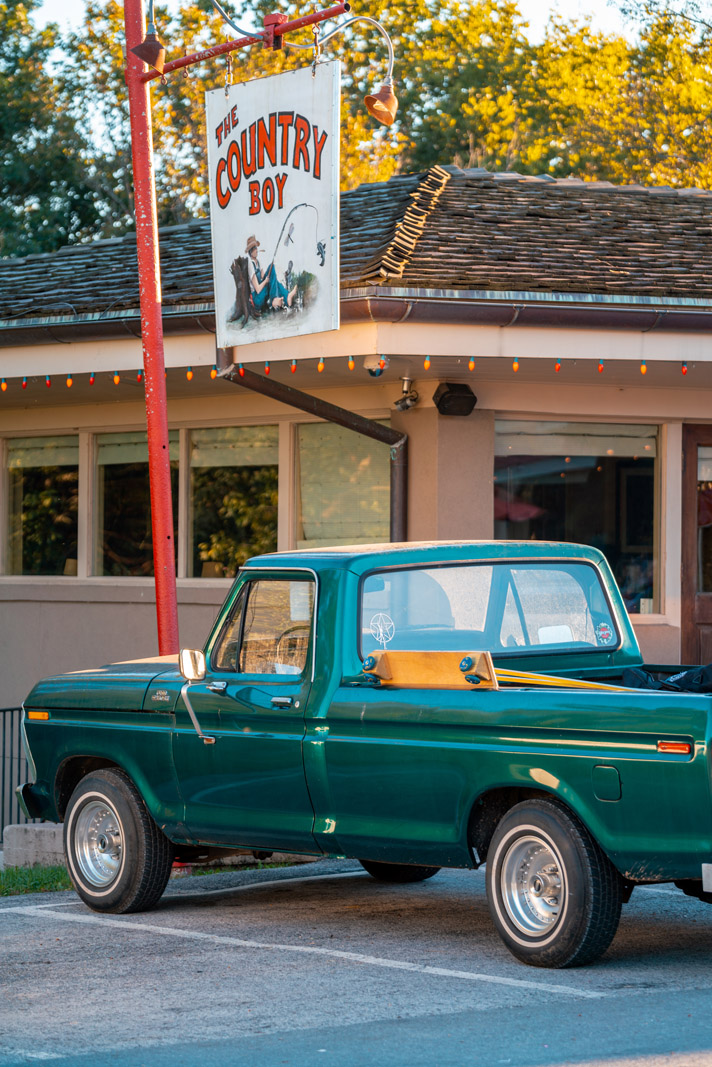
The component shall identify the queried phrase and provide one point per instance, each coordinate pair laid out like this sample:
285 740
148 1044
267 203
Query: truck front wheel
118 859
397 872
555 898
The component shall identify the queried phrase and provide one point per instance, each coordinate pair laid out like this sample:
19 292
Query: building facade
578 314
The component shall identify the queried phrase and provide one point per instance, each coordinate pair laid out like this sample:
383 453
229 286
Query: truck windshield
487 607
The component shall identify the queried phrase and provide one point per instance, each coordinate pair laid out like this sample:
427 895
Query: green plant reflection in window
124 543
233 497
43 505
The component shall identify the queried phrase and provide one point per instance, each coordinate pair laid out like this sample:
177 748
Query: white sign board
273 157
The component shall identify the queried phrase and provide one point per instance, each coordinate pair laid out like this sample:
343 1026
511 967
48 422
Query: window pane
704 519
124 543
589 483
44 494
275 638
224 656
483 607
233 497
343 485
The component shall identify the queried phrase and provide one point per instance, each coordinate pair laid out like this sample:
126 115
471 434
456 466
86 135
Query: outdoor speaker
453 398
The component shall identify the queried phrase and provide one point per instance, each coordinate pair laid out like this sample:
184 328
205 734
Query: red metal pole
278 30
152 334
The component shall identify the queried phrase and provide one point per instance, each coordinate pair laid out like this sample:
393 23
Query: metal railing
13 767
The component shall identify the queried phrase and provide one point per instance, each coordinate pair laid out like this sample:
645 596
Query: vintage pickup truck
415 706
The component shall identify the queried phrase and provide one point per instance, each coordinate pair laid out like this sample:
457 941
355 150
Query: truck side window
224 657
277 626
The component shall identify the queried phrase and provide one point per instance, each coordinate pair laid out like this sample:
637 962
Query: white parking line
351 957
36 907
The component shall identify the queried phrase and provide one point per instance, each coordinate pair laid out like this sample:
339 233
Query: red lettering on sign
301 149
285 120
234 173
249 166
267 141
319 143
254 198
268 194
280 179
223 196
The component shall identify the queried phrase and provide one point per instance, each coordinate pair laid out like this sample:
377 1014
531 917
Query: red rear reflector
683 748
37 714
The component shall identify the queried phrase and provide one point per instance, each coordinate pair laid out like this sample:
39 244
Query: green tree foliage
96 94
45 200
473 91
236 515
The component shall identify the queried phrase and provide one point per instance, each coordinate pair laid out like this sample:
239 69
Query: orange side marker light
37 714
682 748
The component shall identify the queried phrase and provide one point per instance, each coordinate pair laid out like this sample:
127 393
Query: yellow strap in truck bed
451 670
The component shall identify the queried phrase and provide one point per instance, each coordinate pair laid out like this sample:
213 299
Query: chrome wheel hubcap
532 885
98 843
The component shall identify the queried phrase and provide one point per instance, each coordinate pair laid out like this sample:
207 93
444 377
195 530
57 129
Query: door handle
217 687
282 702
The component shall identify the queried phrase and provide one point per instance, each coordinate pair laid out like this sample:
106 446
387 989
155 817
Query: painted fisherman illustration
279 286
266 289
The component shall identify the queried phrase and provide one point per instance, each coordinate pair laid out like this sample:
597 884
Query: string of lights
190 374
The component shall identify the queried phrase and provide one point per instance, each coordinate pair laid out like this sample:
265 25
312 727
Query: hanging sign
273 157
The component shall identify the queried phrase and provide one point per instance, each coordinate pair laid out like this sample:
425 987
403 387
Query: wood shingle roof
447 229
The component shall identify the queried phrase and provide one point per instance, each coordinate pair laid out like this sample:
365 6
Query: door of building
697 544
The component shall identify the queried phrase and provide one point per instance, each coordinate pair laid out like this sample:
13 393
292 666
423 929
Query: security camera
409 398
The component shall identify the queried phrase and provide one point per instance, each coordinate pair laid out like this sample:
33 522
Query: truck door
249 787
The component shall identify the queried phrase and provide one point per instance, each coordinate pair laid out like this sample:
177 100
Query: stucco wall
67 625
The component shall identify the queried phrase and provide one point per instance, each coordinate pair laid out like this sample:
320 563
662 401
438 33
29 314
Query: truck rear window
495 607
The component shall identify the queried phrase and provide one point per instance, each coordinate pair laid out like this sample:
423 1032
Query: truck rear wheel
118 859
397 872
555 898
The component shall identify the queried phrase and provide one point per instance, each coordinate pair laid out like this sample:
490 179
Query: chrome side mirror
192 664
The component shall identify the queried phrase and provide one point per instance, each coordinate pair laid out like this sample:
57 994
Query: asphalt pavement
322 965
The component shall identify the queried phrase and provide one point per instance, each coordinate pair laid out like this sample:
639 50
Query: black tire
554 896
397 872
117 858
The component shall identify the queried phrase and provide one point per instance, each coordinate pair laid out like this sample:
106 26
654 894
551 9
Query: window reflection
233 497
704 519
589 483
124 536
343 481
43 505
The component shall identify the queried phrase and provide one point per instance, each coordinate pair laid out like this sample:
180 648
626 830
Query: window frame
245 577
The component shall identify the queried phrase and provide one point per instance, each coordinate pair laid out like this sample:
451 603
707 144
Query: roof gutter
381 304
542 310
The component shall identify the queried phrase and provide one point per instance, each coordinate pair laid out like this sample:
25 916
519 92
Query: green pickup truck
414 706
